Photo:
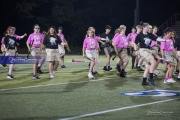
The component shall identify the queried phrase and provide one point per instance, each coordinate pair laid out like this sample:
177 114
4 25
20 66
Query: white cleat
51 76
10 77
165 81
171 80
90 76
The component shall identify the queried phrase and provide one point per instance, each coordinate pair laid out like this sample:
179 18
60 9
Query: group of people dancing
143 45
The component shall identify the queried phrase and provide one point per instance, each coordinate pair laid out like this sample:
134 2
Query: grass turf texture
78 96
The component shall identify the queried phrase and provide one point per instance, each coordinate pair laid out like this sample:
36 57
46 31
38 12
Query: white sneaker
178 77
10 77
51 76
170 80
33 78
90 76
165 81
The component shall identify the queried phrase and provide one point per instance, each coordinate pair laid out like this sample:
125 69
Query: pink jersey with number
35 40
90 43
167 45
132 37
120 41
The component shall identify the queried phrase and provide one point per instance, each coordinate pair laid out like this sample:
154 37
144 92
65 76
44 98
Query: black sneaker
122 73
39 70
109 68
94 73
145 82
139 68
35 77
118 68
105 68
4 65
151 82
63 66
10 77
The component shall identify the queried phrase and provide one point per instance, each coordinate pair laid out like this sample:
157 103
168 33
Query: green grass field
72 96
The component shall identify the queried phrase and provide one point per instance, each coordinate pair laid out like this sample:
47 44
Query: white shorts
169 57
52 55
91 53
61 50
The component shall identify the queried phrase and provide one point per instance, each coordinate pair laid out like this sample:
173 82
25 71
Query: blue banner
18 60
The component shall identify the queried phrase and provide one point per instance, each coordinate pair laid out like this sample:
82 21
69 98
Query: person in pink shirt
131 38
64 44
121 43
97 57
34 44
168 54
90 51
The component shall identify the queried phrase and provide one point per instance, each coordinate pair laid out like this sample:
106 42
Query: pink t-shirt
167 45
35 40
90 43
2 41
120 41
61 36
132 37
96 37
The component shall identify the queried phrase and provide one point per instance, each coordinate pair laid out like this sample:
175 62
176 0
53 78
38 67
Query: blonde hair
92 28
90 31
122 27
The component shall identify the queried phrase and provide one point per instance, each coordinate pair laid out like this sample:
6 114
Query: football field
71 96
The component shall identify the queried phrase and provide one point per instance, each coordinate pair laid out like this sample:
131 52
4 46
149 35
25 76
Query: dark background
77 15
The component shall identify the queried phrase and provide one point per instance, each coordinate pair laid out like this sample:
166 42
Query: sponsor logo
161 93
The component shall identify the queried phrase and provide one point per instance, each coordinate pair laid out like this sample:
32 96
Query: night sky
76 15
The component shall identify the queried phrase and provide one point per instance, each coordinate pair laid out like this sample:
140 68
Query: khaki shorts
61 50
123 55
10 53
52 55
36 52
155 50
91 53
146 54
178 55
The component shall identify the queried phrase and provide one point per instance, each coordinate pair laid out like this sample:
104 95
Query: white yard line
55 84
116 109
